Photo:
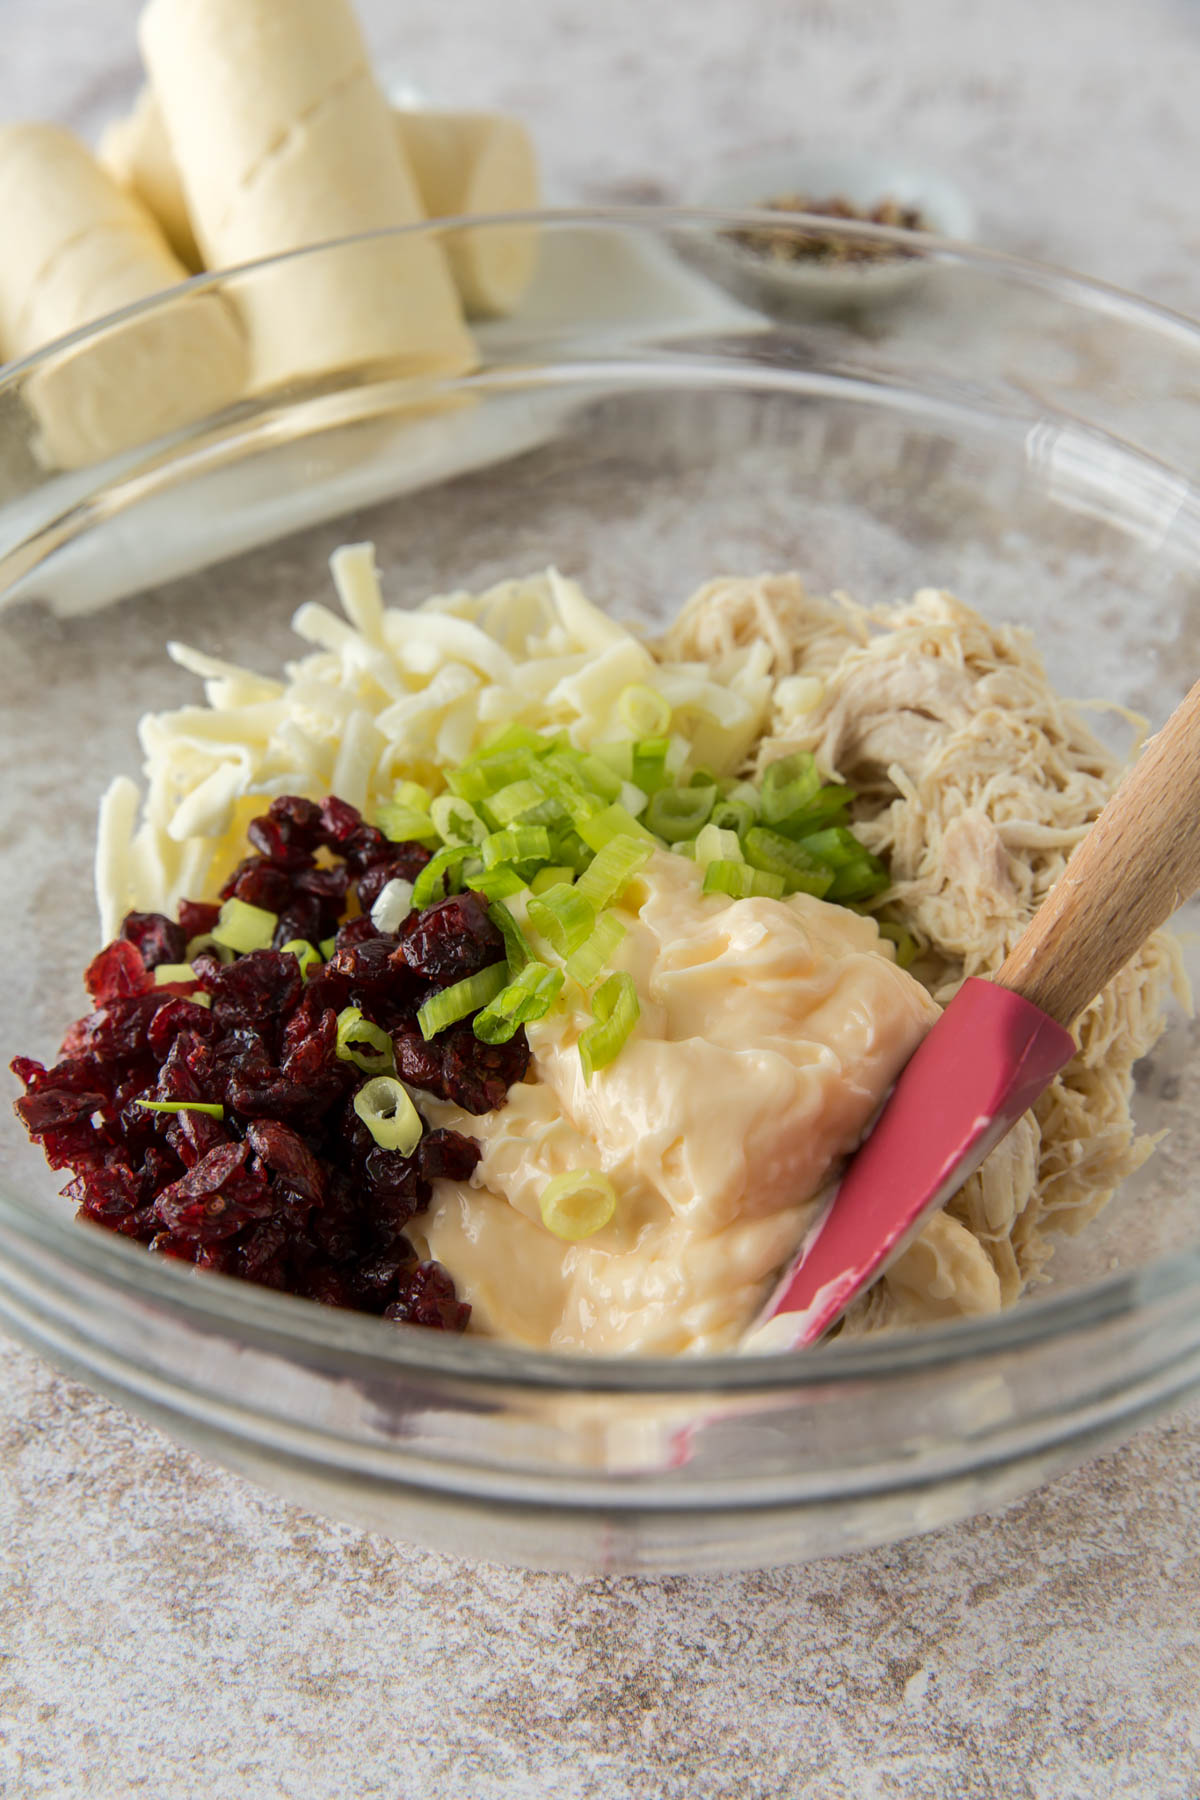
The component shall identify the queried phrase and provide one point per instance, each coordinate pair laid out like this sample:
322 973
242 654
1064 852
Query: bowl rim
301 1326
656 221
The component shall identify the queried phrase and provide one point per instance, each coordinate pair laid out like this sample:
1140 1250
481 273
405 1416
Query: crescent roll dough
77 246
462 163
283 139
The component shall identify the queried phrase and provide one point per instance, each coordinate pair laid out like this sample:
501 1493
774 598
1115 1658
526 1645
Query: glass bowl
1022 437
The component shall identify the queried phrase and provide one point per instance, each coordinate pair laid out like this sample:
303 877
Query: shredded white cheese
386 695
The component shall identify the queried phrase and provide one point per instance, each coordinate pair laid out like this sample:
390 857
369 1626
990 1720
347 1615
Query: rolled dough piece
283 139
462 163
477 163
77 246
137 152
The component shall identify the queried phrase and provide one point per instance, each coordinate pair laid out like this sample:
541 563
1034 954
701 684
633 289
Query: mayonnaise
770 1031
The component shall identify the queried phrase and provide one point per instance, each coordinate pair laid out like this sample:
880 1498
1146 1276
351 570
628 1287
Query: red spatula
1000 1042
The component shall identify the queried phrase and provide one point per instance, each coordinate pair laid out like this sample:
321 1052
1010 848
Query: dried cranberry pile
287 1188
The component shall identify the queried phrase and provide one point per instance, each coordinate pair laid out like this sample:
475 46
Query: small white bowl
859 177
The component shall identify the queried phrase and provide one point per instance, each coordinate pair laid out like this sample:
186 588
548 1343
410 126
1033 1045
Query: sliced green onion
207 945
746 794
366 1045
646 712
529 996
439 875
551 876
243 928
500 883
213 1108
704 777
578 1204
596 774
618 756
828 807
675 813
385 1107
560 778
404 824
648 764
514 737
861 882
595 953
715 845
615 1012
788 786
514 801
328 947
457 821
567 847
633 799
563 916
611 822
486 775
465 997
802 873
857 872
743 882
733 815
907 948
412 793
612 869
306 954
516 844
516 948
172 972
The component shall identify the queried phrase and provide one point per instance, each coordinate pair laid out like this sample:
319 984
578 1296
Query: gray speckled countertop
168 1631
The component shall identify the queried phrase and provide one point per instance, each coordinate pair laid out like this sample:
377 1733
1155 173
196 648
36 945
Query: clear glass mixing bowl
654 414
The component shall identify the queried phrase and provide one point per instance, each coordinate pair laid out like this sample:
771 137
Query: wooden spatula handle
1140 860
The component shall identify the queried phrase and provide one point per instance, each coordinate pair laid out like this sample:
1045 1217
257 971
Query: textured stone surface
166 1630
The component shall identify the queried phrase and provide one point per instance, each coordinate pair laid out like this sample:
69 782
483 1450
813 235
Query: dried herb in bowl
788 244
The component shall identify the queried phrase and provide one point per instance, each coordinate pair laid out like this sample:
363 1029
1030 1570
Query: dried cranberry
116 972
288 1158
180 1014
279 841
402 862
259 883
301 918
216 1197
428 1299
197 917
156 938
253 989
447 1155
338 822
452 940
286 1187
356 931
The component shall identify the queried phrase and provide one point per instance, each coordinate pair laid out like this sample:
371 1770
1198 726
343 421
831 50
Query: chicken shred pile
975 781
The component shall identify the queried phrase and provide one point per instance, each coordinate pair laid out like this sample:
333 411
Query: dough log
77 246
478 163
283 139
137 151
462 163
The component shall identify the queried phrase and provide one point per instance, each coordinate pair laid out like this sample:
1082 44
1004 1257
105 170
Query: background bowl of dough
1019 436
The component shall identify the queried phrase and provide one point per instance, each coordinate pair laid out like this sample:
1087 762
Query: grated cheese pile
974 780
389 694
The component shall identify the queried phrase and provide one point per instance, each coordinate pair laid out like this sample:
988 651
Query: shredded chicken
975 781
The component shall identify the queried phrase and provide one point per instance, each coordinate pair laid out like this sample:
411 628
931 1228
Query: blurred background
1073 128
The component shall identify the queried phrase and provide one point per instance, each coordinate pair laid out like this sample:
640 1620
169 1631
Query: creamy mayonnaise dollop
770 1031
